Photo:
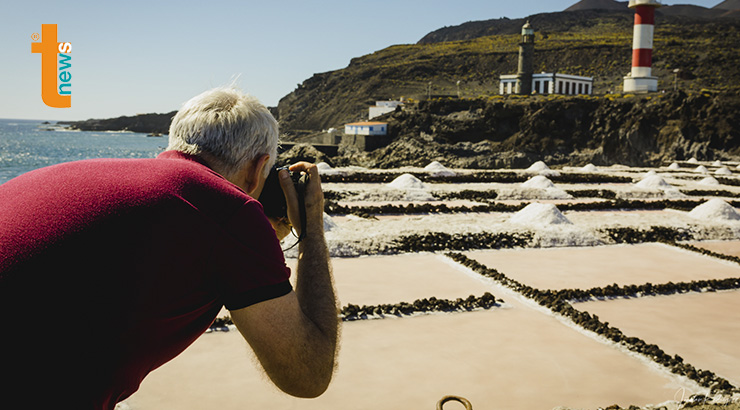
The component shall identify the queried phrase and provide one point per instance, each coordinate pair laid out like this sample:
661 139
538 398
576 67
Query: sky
134 56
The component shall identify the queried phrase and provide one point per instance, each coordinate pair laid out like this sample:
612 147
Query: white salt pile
701 169
717 163
540 214
692 160
715 209
539 181
541 168
649 173
438 170
709 181
326 169
589 168
406 181
723 171
674 166
653 182
328 223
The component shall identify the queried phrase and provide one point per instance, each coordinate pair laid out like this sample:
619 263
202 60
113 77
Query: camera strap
302 214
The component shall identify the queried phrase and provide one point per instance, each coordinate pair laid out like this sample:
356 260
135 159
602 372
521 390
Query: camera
273 199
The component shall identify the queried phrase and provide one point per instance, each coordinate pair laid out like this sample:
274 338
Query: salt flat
401 278
703 328
513 357
730 248
596 266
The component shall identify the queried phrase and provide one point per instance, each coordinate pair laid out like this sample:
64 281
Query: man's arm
295 337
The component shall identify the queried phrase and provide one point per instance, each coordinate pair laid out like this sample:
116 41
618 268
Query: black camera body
273 198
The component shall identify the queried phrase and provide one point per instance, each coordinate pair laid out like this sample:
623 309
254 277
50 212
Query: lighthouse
526 61
640 79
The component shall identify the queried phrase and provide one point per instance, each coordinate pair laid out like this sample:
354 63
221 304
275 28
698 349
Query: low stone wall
355 312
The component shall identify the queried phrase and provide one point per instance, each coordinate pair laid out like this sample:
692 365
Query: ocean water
26 145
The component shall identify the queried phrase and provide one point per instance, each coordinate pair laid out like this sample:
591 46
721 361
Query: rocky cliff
514 132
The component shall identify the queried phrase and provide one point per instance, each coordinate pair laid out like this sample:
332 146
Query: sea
26 145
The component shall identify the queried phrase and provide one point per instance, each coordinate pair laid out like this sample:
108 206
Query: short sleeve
250 263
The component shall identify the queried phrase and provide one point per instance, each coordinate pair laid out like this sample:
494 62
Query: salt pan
540 214
653 182
709 181
723 171
539 181
406 181
715 209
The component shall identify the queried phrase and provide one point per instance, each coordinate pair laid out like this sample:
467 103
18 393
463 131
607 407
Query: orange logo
57 95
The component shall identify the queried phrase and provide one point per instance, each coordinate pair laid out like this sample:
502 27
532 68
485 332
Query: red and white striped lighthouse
640 79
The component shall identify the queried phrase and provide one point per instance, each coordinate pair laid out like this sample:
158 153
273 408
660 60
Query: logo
55 65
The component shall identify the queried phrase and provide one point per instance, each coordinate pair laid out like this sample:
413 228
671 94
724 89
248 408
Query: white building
550 83
382 107
366 128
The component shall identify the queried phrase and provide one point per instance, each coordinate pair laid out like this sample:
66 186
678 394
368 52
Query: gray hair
227 126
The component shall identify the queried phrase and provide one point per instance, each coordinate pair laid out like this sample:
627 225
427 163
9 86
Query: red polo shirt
110 268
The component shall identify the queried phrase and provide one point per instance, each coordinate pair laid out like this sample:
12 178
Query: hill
593 43
599 5
728 5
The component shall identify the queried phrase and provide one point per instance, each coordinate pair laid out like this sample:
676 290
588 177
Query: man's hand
281 226
314 198
295 336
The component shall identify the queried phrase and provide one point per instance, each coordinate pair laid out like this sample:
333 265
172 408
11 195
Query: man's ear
256 174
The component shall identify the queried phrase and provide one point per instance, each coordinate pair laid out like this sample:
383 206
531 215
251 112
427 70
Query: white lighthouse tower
640 79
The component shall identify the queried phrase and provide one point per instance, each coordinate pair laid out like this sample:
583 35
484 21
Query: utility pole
675 79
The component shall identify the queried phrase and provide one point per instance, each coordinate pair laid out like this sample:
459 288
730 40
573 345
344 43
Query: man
110 268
